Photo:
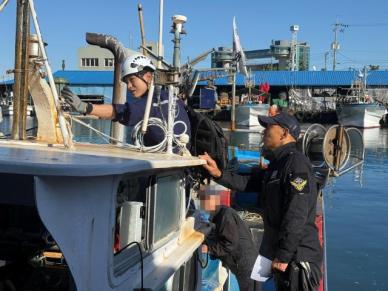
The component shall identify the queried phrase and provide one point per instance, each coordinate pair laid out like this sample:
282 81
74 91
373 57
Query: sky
209 25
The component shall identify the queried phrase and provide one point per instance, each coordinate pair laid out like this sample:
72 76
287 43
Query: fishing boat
357 108
7 109
247 111
82 216
246 114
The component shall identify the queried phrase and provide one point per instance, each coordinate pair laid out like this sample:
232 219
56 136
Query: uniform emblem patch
298 183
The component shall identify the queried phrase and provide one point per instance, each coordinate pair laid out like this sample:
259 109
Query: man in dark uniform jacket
287 196
230 241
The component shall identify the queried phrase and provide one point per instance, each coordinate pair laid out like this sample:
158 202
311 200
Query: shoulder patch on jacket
299 183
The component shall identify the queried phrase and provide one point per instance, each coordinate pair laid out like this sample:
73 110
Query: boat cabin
96 217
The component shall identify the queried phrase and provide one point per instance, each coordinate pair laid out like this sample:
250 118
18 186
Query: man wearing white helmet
137 72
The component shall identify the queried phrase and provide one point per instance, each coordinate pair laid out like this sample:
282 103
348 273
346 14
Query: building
276 58
94 58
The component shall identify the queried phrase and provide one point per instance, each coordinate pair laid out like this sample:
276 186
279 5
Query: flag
237 49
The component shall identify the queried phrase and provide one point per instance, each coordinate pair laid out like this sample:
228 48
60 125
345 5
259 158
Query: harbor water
356 206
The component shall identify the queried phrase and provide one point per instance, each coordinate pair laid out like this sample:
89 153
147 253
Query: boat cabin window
149 210
166 205
130 221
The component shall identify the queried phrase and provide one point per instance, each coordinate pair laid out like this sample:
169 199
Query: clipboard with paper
262 270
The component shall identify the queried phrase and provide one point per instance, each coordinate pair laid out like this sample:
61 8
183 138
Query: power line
368 24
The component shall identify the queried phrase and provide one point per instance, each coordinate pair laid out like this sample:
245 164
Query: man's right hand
211 165
73 100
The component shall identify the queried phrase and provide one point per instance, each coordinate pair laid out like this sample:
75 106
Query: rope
138 137
2 5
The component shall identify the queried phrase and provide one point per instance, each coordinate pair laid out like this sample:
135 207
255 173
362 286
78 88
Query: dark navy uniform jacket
129 114
288 197
232 242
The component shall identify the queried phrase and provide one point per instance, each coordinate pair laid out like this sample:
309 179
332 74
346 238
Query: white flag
241 60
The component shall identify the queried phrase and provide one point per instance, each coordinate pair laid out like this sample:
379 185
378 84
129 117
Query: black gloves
75 102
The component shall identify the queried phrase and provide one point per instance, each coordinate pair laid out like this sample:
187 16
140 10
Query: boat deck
82 160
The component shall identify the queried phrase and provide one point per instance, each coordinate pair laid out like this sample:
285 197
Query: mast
25 64
21 65
141 21
294 43
233 113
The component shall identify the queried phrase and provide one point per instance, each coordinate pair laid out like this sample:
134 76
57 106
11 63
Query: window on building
89 62
109 62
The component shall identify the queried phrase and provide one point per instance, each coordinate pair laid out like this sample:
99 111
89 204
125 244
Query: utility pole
335 44
326 55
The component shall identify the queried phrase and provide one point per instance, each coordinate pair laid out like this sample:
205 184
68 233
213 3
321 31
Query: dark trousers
298 278
245 283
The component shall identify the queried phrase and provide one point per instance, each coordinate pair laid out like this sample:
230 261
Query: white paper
262 270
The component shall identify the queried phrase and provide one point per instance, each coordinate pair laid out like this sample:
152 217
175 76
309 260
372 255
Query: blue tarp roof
274 78
100 78
309 78
86 77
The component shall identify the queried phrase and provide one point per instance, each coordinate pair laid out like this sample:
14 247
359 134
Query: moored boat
361 115
82 216
246 114
357 108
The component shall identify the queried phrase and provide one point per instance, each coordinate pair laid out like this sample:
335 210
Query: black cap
284 120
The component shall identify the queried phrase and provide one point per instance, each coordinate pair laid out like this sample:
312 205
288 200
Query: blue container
207 98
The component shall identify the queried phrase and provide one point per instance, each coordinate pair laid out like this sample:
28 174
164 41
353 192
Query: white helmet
135 64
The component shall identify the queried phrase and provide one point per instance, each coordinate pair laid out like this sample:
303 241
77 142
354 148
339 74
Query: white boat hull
246 115
360 115
8 111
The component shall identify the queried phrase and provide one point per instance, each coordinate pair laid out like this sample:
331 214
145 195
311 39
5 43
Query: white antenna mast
159 65
294 47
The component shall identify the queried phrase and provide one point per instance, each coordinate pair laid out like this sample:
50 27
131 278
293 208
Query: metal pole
170 119
24 75
147 109
177 54
233 113
117 131
160 41
159 65
141 21
18 69
61 119
326 55
334 47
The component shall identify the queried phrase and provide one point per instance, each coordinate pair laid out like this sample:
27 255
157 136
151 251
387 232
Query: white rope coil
138 137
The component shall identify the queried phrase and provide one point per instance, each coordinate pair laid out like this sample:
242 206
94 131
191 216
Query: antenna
141 21
294 43
177 29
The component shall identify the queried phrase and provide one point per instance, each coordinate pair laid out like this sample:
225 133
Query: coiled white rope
138 137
